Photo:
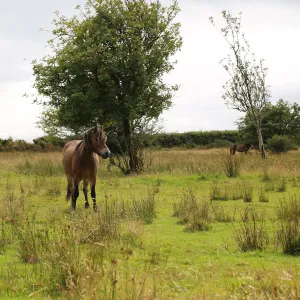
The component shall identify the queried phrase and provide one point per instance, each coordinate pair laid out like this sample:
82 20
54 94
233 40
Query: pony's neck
85 150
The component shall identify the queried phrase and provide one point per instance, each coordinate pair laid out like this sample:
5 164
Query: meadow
197 224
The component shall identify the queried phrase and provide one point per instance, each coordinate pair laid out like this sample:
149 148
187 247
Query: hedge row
197 138
161 140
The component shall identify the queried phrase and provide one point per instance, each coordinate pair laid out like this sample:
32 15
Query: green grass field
181 230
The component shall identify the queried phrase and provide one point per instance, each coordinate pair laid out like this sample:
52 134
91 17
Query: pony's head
95 140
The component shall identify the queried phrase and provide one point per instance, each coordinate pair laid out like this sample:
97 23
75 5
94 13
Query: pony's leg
69 187
93 193
85 192
75 193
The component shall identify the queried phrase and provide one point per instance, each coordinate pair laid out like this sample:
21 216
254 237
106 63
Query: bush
280 143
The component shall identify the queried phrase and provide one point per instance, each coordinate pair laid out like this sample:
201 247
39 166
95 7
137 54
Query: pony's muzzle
105 155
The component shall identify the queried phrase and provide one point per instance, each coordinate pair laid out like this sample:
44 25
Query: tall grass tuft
5 236
221 215
247 191
216 193
103 226
288 232
266 175
269 186
225 192
252 234
144 209
196 215
231 165
62 263
281 184
263 196
14 207
30 241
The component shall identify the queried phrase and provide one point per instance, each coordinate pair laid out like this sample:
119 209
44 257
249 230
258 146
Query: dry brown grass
182 161
209 161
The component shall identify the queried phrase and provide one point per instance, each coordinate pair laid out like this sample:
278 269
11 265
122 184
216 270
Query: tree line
280 127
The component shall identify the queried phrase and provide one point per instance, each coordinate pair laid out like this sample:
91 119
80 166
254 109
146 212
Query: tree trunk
130 145
261 142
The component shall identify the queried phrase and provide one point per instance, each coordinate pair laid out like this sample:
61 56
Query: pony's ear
96 129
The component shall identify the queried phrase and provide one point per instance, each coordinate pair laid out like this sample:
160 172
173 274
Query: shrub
280 143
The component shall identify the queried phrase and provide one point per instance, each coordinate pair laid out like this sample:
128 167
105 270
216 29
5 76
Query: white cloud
18 115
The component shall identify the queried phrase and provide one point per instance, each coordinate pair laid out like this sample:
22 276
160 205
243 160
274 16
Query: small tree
107 65
246 90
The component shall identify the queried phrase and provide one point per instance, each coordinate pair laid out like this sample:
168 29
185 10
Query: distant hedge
9 145
197 138
215 138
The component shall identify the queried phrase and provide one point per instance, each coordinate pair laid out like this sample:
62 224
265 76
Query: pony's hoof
87 205
95 207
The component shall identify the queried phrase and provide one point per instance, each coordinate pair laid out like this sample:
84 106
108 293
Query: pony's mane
76 148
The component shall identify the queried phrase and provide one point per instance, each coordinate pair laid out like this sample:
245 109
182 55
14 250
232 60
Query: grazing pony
240 148
81 162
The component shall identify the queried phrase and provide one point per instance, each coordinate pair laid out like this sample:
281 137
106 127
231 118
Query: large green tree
106 66
282 118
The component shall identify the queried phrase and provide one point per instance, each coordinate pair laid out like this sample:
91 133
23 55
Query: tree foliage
106 66
282 118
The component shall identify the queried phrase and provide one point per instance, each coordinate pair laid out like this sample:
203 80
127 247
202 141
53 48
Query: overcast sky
272 28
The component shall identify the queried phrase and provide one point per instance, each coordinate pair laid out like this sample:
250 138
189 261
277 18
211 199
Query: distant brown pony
81 162
240 148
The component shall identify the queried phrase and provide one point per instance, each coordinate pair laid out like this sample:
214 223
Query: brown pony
240 148
80 160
